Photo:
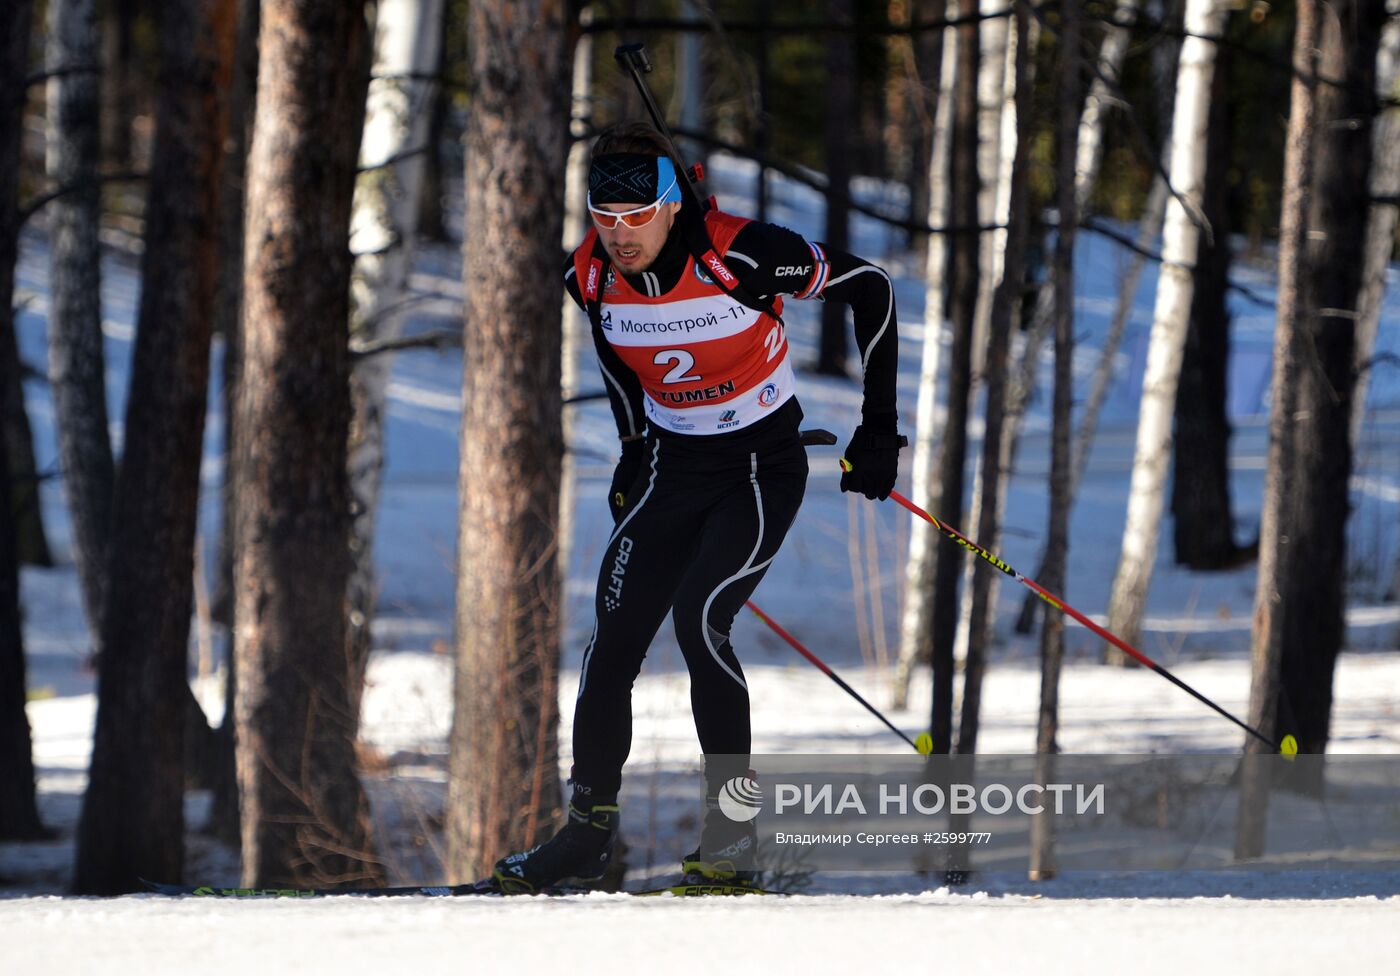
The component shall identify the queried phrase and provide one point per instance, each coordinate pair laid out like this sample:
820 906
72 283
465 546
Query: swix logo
793 269
613 599
713 262
590 287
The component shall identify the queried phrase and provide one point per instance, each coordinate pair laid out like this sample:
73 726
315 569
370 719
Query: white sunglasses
640 217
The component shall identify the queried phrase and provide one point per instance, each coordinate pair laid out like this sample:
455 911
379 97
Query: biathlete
685 309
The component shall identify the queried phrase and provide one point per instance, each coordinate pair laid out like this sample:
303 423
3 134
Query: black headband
632 178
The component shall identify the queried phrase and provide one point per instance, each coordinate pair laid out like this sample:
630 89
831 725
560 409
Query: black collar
665 272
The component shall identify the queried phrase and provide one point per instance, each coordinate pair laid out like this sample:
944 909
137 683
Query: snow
1198 625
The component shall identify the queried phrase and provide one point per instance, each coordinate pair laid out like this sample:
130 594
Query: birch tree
503 787
915 624
383 232
992 175
305 816
1170 318
76 360
132 821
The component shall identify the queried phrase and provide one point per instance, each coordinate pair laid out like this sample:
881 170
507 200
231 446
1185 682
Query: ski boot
728 852
578 854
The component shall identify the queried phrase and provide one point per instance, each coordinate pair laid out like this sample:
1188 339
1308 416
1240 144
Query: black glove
623 475
873 456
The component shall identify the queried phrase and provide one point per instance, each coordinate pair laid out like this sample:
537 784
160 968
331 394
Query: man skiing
686 312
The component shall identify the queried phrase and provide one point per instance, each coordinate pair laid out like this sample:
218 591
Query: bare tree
1052 635
19 813
305 815
916 626
962 306
1384 214
1204 19
503 788
384 230
1314 587
1005 306
132 823
76 361
840 112
1276 550
228 312
21 489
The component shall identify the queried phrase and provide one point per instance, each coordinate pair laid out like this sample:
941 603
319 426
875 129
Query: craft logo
741 799
788 270
624 552
768 395
727 419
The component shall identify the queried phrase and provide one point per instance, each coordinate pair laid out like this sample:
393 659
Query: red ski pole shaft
821 666
1287 746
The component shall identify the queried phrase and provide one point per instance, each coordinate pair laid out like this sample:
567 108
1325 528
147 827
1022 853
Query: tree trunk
1381 221
922 97
1314 588
1088 159
1052 635
1005 305
19 813
840 110
1204 18
305 815
1276 549
133 821
916 626
962 312
119 96
31 540
1112 50
992 177
223 809
574 327
1149 227
76 361
1202 523
503 787
384 231
1380 231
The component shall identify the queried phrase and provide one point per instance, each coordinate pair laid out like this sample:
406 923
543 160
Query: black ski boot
578 854
728 852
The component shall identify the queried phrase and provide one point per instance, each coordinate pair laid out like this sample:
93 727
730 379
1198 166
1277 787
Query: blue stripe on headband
666 177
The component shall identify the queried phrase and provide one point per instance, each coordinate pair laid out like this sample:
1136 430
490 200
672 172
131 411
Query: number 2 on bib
680 362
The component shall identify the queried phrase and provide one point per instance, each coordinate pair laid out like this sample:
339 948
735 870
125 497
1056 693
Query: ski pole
924 744
633 59
1287 746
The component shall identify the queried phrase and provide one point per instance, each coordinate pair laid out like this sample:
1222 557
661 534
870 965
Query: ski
487 887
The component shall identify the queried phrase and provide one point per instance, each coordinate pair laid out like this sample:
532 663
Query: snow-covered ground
836 586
